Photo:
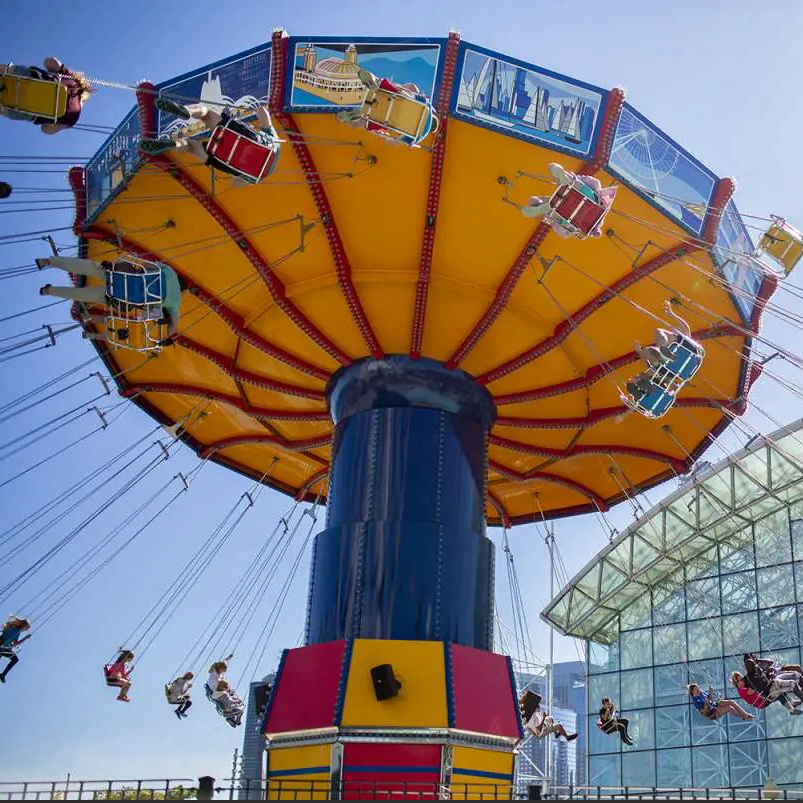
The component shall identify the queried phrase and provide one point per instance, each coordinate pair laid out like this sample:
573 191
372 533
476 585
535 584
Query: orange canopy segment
357 245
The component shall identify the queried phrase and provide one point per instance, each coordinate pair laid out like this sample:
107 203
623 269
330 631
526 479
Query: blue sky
720 78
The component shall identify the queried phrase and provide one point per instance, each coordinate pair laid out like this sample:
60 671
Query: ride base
454 724
401 584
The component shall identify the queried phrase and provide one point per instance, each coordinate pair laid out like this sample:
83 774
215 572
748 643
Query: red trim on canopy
433 196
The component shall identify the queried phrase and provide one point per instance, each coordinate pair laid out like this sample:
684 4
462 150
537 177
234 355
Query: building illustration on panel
514 97
332 79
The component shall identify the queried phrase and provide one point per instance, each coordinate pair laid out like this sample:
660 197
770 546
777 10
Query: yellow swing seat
784 243
134 335
35 97
397 112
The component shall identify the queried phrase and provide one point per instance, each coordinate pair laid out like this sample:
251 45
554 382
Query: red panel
306 693
391 771
494 710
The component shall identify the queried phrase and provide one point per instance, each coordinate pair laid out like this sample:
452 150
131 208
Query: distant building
712 572
252 767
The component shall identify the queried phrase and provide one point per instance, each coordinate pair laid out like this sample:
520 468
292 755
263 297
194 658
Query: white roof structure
715 506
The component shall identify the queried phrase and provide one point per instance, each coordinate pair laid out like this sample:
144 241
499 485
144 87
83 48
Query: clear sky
722 78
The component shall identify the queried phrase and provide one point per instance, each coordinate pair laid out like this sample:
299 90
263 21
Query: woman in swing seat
711 708
118 674
178 694
14 627
589 186
76 84
536 722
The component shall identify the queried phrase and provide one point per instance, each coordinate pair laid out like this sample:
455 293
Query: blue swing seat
668 379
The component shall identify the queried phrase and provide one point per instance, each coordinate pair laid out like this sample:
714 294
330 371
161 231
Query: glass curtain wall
747 596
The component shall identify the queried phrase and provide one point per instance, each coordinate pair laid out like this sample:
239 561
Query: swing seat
237 147
576 208
7 652
783 243
113 680
135 283
134 291
33 97
143 336
398 114
668 379
171 700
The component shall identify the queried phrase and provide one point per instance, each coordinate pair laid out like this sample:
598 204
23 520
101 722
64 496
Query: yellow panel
300 785
378 205
419 665
494 782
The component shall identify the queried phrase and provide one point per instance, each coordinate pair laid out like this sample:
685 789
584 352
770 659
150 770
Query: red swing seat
232 144
113 680
575 210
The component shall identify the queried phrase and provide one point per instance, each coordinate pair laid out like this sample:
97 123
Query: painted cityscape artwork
527 102
242 84
648 160
327 74
733 252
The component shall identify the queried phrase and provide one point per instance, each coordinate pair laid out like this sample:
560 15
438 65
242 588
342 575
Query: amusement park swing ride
419 298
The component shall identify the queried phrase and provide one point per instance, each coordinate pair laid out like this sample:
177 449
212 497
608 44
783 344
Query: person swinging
711 707
51 98
610 721
578 206
135 292
178 694
536 722
234 147
10 639
118 674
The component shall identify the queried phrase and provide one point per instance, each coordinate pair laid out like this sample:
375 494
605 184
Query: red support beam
311 482
579 451
315 182
565 328
723 192
497 505
597 372
231 318
274 284
146 97
226 364
610 118
518 476
276 440
225 398
77 179
433 196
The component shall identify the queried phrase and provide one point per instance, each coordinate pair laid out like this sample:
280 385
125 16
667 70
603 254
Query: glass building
716 570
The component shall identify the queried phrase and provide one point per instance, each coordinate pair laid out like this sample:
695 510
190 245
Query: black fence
208 788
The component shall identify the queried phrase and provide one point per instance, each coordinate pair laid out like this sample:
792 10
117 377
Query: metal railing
207 788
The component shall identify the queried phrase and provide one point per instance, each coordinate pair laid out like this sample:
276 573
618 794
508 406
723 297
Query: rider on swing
76 84
211 119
